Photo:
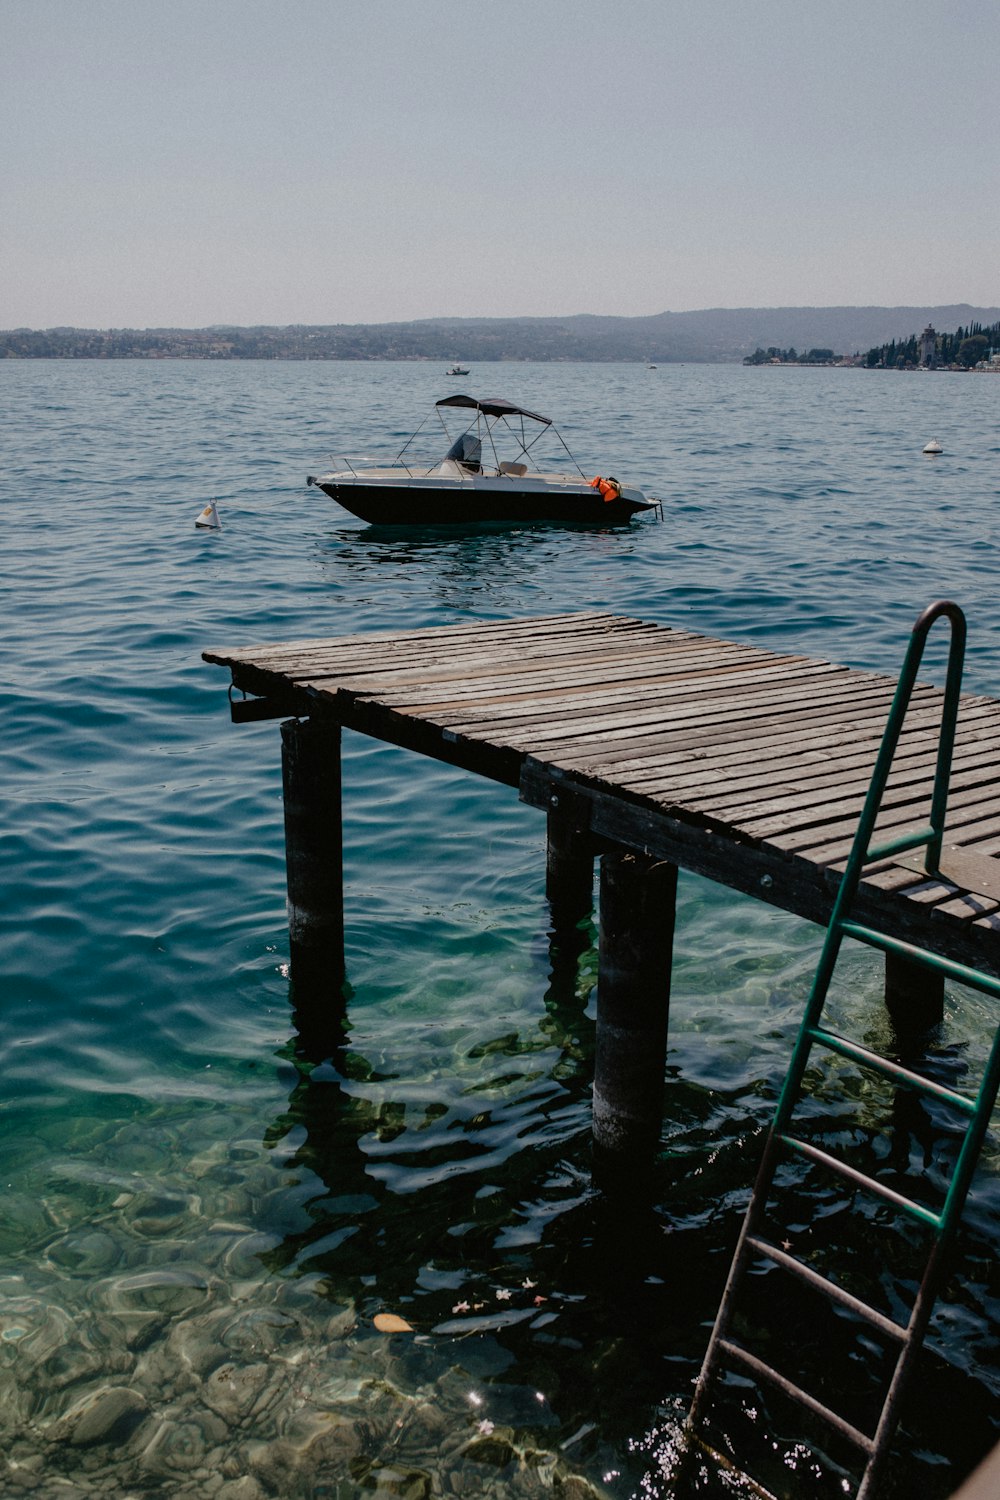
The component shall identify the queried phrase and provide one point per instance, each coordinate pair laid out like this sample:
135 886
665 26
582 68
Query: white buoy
933 447
209 517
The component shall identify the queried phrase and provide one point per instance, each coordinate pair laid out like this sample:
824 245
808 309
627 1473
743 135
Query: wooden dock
655 748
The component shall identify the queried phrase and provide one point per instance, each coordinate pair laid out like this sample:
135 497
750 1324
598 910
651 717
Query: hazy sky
187 162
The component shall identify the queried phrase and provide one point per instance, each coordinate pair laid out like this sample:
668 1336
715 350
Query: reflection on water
364 1133
497 569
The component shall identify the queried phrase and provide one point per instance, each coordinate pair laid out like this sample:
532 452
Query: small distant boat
650 365
473 483
457 370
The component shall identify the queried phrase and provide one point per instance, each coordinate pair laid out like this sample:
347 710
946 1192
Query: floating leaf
390 1323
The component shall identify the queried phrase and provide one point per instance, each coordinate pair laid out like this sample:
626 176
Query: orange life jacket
610 488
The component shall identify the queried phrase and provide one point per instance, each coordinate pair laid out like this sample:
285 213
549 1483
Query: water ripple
185 1191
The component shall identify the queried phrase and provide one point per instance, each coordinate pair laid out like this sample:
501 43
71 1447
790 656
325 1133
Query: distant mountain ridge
709 335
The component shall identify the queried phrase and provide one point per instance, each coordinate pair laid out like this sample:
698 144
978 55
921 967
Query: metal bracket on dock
541 786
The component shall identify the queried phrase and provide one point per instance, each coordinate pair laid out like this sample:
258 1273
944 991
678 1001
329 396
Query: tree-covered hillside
716 334
962 350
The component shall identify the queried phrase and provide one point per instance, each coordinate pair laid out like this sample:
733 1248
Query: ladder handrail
944 1223
860 848
941 608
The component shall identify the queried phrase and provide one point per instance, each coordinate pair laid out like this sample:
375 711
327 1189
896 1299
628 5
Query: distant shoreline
358 359
710 336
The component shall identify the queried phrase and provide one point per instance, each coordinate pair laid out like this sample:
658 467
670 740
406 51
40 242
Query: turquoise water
198 1226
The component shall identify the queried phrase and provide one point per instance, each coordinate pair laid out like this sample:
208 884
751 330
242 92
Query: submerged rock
108 1415
245 1488
233 1390
575 1487
493 1448
400 1484
275 1466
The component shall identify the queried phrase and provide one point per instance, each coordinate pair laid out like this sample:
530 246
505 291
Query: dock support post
637 908
914 997
569 865
569 886
310 765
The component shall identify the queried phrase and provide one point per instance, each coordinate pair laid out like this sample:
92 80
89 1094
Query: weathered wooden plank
538 687
658 717
501 657
747 765
386 652
832 841
825 729
967 771
378 652
386 677
388 640
952 903
596 640
793 830
653 757
772 766
534 703
966 906
512 660
986 928
757 721
539 678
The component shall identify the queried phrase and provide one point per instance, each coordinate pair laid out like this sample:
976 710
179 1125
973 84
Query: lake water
199 1227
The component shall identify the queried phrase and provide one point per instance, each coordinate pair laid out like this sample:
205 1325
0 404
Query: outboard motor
467 451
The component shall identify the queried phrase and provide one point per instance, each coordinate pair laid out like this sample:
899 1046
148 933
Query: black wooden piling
914 998
569 863
310 763
637 904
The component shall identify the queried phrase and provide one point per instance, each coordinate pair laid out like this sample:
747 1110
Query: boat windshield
467 451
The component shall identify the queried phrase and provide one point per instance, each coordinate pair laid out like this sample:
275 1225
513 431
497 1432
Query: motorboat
473 482
457 370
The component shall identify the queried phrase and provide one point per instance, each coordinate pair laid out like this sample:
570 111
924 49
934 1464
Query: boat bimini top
489 415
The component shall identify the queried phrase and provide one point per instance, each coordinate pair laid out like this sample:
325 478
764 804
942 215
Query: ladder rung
898 845
915 1210
828 1288
891 1069
961 973
839 1424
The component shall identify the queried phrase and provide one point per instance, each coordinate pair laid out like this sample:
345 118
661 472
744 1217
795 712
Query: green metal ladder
723 1348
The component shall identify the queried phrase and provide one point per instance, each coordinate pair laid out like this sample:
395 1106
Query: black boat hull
407 505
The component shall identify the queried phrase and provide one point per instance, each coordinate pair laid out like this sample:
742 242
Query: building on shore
928 348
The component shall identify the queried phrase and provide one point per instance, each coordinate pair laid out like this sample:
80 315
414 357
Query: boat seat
516 470
449 468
